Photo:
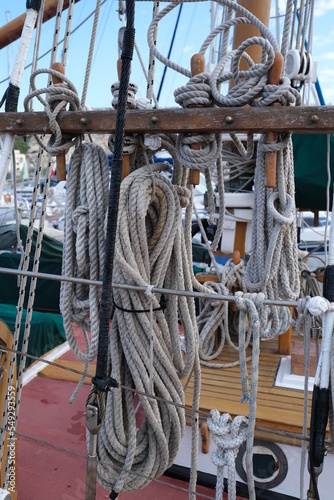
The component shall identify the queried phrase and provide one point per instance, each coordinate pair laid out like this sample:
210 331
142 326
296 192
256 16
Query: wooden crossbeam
304 120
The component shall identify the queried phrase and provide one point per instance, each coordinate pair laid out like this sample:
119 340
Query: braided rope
227 448
273 264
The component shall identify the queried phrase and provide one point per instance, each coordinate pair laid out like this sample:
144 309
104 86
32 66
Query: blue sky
193 29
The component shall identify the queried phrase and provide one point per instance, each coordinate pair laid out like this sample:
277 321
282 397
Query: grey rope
84 243
273 264
148 250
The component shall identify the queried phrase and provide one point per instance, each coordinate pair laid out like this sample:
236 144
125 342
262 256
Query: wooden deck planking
277 408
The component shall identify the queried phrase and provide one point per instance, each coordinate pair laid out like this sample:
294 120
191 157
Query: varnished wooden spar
12 30
302 120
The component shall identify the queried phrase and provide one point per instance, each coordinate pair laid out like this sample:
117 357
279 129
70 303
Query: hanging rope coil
61 94
84 242
273 263
214 316
265 33
148 250
248 84
228 436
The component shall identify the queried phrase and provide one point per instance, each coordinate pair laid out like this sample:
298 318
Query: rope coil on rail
58 96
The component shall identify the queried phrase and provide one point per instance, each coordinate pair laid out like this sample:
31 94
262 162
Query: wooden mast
244 31
12 30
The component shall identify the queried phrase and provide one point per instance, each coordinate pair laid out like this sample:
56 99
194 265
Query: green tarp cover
46 332
47 292
310 165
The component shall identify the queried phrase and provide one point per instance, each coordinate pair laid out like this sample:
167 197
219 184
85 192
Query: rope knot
148 292
318 305
228 436
184 195
57 97
79 217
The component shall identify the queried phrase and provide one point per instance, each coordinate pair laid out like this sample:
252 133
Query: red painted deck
52 461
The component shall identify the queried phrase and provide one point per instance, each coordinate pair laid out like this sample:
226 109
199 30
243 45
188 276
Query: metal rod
138 288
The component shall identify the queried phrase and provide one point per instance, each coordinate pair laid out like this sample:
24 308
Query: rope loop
58 96
288 211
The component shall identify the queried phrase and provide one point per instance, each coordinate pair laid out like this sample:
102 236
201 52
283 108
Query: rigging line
138 288
60 41
106 22
170 51
202 414
120 386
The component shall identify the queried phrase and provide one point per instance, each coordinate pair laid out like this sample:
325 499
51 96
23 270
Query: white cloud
323 6
325 56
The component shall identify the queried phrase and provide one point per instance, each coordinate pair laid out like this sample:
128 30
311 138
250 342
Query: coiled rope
273 264
148 251
84 246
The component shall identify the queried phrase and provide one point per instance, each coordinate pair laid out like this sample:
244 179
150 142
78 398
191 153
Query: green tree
22 144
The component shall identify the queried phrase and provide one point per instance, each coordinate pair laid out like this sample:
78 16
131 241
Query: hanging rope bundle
148 251
273 264
228 436
84 245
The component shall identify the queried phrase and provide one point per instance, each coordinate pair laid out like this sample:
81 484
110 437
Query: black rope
101 379
34 4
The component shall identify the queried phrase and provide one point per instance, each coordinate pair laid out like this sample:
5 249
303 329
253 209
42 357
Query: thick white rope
148 250
84 245
228 3
249 305
228 435
273 264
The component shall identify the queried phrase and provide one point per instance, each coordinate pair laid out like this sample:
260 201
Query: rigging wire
60 41
201 414
170 51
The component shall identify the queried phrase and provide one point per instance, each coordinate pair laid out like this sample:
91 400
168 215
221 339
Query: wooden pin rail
302 120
